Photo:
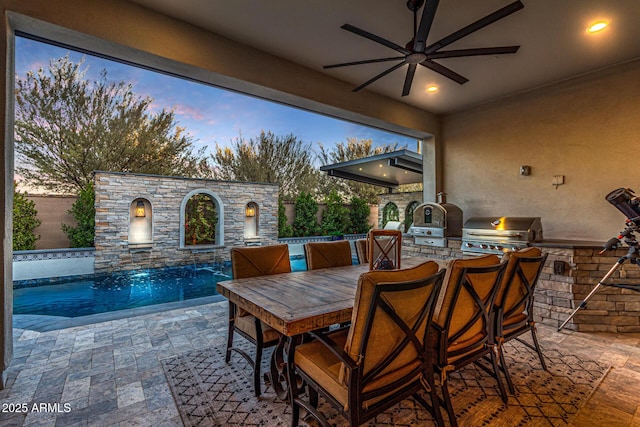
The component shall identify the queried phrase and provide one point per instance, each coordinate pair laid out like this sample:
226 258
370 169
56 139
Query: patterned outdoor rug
208 392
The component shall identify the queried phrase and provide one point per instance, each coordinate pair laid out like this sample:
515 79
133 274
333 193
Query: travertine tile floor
108 373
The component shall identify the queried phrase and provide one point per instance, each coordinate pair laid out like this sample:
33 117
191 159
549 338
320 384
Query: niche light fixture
139 211
250 211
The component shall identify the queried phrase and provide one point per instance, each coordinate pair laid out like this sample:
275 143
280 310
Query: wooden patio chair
514 303
462 329
385 249
382 358
327 254
252 262
362 251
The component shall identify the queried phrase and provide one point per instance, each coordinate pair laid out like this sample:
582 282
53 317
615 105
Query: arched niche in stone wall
201 219
140 222
408 214
390 213
251 220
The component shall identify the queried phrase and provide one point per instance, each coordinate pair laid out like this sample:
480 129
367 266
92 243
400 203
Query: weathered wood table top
302 301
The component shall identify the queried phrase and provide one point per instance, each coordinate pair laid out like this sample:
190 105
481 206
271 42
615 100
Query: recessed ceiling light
597 26
432 88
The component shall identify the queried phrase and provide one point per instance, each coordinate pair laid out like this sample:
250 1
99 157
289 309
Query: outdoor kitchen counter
568 244
572 270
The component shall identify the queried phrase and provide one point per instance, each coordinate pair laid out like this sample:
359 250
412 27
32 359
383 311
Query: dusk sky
211 115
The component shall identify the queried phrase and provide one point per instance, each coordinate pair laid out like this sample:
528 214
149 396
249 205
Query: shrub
25 222
284 229
335 219
84 212
359 215
305 222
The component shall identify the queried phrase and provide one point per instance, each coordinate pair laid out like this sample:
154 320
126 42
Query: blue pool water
83 296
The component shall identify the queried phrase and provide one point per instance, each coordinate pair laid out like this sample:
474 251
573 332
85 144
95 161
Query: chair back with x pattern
385 249
514 300
383 357
328 254
255 261
466 311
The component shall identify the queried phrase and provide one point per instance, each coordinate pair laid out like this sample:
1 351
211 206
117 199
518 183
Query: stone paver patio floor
109 374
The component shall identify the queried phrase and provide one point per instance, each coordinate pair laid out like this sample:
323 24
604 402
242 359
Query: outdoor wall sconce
139 212
250 211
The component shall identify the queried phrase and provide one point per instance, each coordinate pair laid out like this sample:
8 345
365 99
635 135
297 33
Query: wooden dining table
298 302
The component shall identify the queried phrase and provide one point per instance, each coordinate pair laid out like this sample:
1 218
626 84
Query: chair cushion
516 291
323 366
512 320
328 254
247 325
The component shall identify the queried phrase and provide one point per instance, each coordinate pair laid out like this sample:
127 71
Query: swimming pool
82 296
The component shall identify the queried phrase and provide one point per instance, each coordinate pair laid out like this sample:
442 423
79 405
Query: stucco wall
586 129
53 211
115 193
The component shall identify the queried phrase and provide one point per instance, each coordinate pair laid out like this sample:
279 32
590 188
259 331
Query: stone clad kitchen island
572 270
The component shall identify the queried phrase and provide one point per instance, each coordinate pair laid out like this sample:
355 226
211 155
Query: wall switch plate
557 180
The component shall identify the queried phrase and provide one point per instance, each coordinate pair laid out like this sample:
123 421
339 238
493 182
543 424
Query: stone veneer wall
609 310
116 191
401 200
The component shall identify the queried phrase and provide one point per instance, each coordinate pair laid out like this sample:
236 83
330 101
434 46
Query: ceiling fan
417 52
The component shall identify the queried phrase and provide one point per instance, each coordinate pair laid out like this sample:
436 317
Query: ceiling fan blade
368 61
409 79
382 74
499 50
481 23
428 13
448 73
375 38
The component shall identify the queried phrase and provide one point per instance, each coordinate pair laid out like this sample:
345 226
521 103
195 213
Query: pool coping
42 323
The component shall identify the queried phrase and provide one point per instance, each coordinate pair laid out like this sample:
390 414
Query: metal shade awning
385 170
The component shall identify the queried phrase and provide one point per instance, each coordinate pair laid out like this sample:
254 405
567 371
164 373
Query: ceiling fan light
432 88
597 26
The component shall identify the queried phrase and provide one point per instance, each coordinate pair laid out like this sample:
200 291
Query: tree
305 222
284 229
285 161
352 150
84 212
335 219
359 215
66 127
25 221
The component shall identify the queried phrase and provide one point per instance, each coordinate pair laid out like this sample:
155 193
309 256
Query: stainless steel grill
433 223
497 235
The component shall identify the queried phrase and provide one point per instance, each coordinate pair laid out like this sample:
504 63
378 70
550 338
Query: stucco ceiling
552 35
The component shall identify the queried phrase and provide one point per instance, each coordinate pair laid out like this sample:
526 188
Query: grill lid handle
471 233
